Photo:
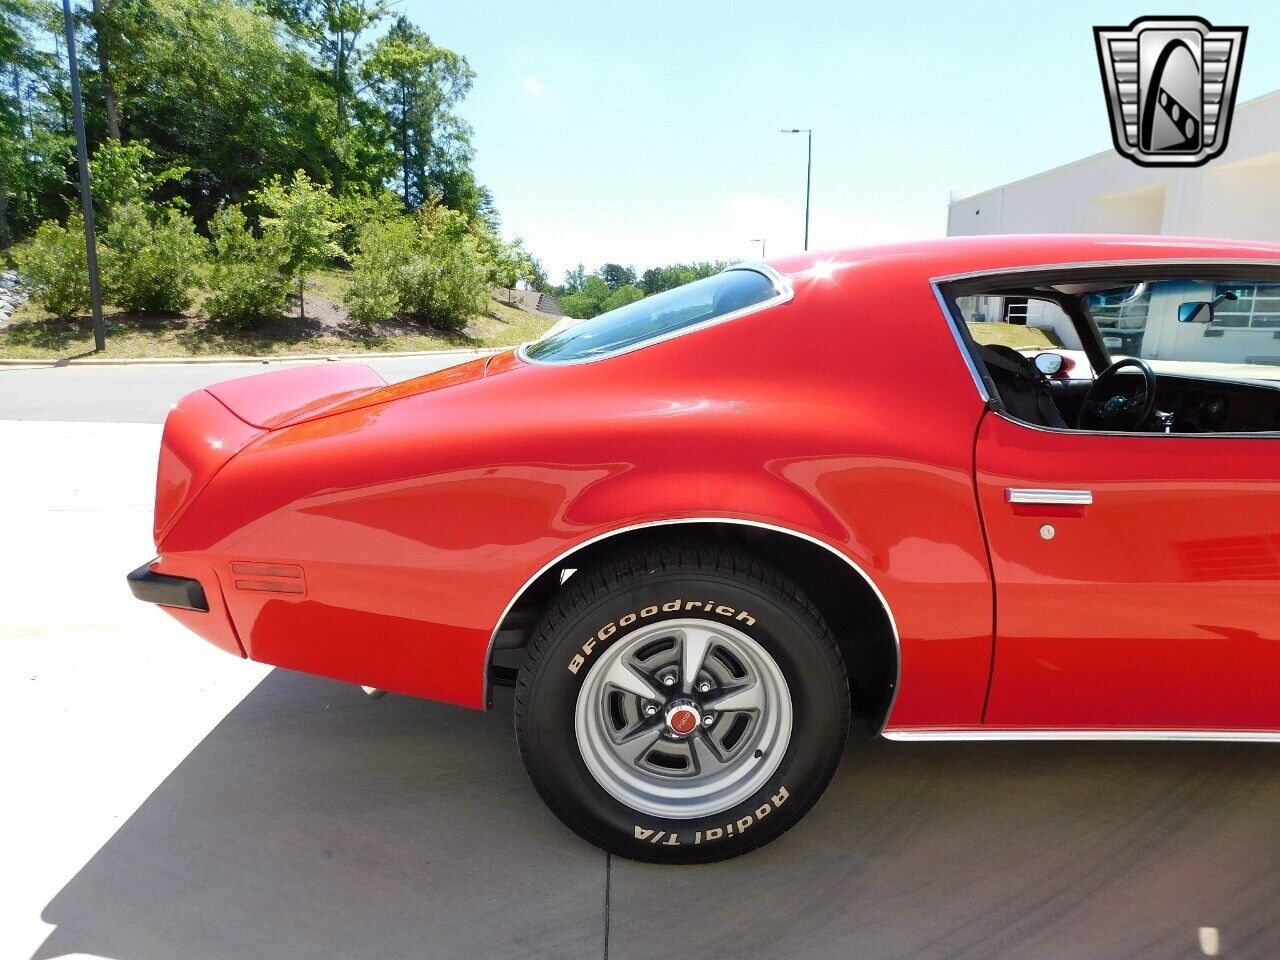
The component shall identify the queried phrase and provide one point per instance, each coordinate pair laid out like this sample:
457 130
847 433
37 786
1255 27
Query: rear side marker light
269 586
269 577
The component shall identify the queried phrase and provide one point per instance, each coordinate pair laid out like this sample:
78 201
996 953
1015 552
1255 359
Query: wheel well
855 612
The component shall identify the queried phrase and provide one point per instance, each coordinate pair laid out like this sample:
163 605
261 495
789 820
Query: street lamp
759 240
808 179
86 198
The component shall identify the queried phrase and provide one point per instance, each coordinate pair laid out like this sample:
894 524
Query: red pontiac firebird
979 488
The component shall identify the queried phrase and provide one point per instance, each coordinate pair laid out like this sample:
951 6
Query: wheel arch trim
682 521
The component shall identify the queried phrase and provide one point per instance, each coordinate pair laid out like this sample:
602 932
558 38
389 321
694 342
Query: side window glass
1238 340
1028 325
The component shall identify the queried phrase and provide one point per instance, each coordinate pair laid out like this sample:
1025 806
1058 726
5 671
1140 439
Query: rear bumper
181 592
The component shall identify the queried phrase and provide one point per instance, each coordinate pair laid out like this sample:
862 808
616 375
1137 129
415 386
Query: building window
1121 316
1257 306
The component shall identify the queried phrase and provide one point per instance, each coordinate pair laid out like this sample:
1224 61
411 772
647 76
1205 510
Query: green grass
1014 335
36 335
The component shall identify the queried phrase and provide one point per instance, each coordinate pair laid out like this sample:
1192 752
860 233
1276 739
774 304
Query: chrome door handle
1052 498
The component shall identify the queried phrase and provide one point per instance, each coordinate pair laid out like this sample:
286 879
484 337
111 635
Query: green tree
331 31
574 280
628 293
297 220
616 275
211 86
417 85
34 132
658 279
589 300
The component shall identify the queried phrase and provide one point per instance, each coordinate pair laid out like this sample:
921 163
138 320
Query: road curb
284 358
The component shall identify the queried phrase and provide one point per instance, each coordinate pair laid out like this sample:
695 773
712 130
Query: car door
1137 579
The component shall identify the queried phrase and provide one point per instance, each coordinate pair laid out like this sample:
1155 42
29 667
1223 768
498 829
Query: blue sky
646 133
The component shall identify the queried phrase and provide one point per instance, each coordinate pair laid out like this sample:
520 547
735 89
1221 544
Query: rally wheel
681 703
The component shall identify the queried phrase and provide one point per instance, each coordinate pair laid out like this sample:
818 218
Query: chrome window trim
783 293
1153 435
954 322
1230 736
1079 265
857 568
969 362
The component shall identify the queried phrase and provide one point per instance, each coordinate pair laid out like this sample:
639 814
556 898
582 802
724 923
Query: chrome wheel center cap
683 718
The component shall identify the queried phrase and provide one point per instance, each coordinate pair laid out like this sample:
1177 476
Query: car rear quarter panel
846 414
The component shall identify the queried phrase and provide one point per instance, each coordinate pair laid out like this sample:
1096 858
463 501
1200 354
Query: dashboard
1217 406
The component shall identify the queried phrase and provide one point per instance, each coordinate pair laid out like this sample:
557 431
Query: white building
1236 196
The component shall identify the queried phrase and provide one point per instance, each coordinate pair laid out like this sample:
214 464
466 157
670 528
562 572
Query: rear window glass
655 317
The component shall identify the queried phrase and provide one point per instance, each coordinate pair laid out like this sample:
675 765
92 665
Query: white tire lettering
671 606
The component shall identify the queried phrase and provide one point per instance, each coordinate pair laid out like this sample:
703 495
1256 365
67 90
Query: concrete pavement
166 801
143 393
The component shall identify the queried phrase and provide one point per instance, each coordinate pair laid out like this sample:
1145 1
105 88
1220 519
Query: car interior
1162 351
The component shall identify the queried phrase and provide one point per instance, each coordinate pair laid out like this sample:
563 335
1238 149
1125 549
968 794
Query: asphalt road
165 801
142 393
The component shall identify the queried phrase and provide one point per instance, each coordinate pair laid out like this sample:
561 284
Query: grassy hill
326 329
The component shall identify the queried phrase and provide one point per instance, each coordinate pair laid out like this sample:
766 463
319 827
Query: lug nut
668 681
650 710
708 720
704 687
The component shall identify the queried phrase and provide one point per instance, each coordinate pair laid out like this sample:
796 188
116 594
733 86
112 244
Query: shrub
247 281
150 266
297 221
56 266
423 268
381 266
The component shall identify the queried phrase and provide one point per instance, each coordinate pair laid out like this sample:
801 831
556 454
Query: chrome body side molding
1054 498
1234 736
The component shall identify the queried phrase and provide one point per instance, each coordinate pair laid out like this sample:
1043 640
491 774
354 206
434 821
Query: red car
908 485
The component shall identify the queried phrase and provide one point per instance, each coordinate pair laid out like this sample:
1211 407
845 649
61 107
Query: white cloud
534 86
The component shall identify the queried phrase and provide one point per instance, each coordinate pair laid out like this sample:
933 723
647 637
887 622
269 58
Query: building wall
1236 196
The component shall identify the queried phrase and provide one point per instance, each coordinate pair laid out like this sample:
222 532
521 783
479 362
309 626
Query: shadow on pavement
314 823
1036 851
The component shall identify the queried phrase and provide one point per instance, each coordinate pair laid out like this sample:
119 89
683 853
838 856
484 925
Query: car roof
960 256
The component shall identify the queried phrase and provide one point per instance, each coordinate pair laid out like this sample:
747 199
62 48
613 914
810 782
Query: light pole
808 179
759 240
86 198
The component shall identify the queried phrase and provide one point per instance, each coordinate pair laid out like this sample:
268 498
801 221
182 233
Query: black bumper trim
166 590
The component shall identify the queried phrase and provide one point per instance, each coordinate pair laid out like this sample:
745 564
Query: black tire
782 621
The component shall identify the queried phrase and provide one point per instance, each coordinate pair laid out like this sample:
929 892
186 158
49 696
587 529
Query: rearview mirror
1201 311
1049 363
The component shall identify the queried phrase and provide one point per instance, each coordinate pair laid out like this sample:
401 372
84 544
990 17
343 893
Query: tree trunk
340 79
104 68
404 140
302 303
5 238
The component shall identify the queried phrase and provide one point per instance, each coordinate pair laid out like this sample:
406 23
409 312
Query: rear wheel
681 703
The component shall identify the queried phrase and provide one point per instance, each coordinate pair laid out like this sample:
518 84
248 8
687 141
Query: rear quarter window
659 317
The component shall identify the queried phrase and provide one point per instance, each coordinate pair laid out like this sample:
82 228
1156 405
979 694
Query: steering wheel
1105 408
